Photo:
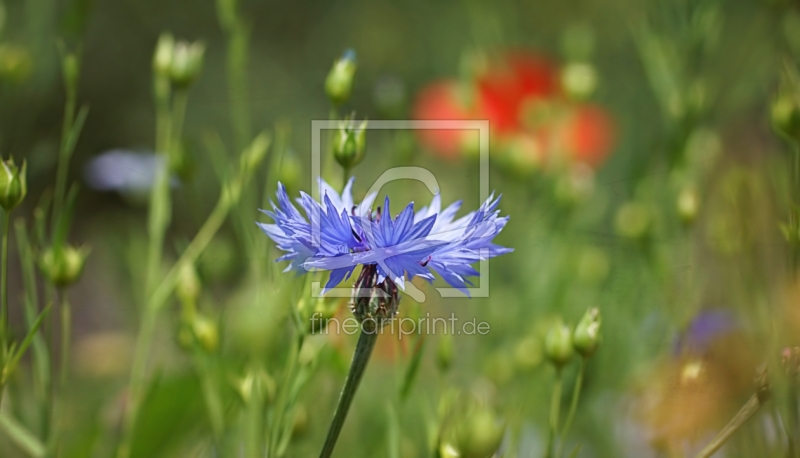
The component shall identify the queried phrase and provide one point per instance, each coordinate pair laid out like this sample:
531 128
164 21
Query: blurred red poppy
439 101
521 96
516 79
588 134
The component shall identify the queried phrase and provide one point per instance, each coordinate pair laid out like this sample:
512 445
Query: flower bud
187 61
13 184
349 144
162 58
339 82
71 69
373 304
579 80
688 204
256 383
558 345
188 288
587 333
785 109
478 433
63 266
632 220
16 64
206 332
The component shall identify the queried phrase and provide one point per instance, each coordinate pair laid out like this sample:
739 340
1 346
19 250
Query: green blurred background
719 62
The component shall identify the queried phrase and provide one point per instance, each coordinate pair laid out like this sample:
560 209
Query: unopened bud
16 64
70 67
188 288
162 58
587 333
579 80
688 205
339 83
558 345
206 332
63 266
13 184
349 144
187 61
633 220
785 109
477 433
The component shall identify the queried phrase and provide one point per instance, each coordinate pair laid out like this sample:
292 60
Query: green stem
66 335
64 155
4 299
290 374
573 406
237 83
555 409
366 342
748 410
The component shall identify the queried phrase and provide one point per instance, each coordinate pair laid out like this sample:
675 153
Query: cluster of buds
178 61
63 265
350 143
13 185
561 343
339 82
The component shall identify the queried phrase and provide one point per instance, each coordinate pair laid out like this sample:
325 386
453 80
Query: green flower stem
573 406
162 293
4 299
290 375
554 412
66 335
364 347
748 410
160 203
64 151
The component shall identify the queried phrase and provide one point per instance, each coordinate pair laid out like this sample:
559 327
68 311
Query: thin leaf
26 342
65 218
75 131
21 436
41 357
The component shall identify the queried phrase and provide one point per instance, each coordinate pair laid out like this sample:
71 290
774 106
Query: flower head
337 235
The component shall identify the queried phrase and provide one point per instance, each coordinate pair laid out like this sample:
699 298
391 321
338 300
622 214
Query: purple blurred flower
704 329
338 235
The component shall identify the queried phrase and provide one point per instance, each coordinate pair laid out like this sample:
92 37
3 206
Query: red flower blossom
515 87
588 134
439 101
517 79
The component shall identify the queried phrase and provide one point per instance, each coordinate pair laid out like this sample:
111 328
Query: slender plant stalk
64 154
66 335
748 410
555 409
364 347
154 305
573 406
4 298
290 374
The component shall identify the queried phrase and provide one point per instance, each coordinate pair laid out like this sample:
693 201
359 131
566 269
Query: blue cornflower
337 235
